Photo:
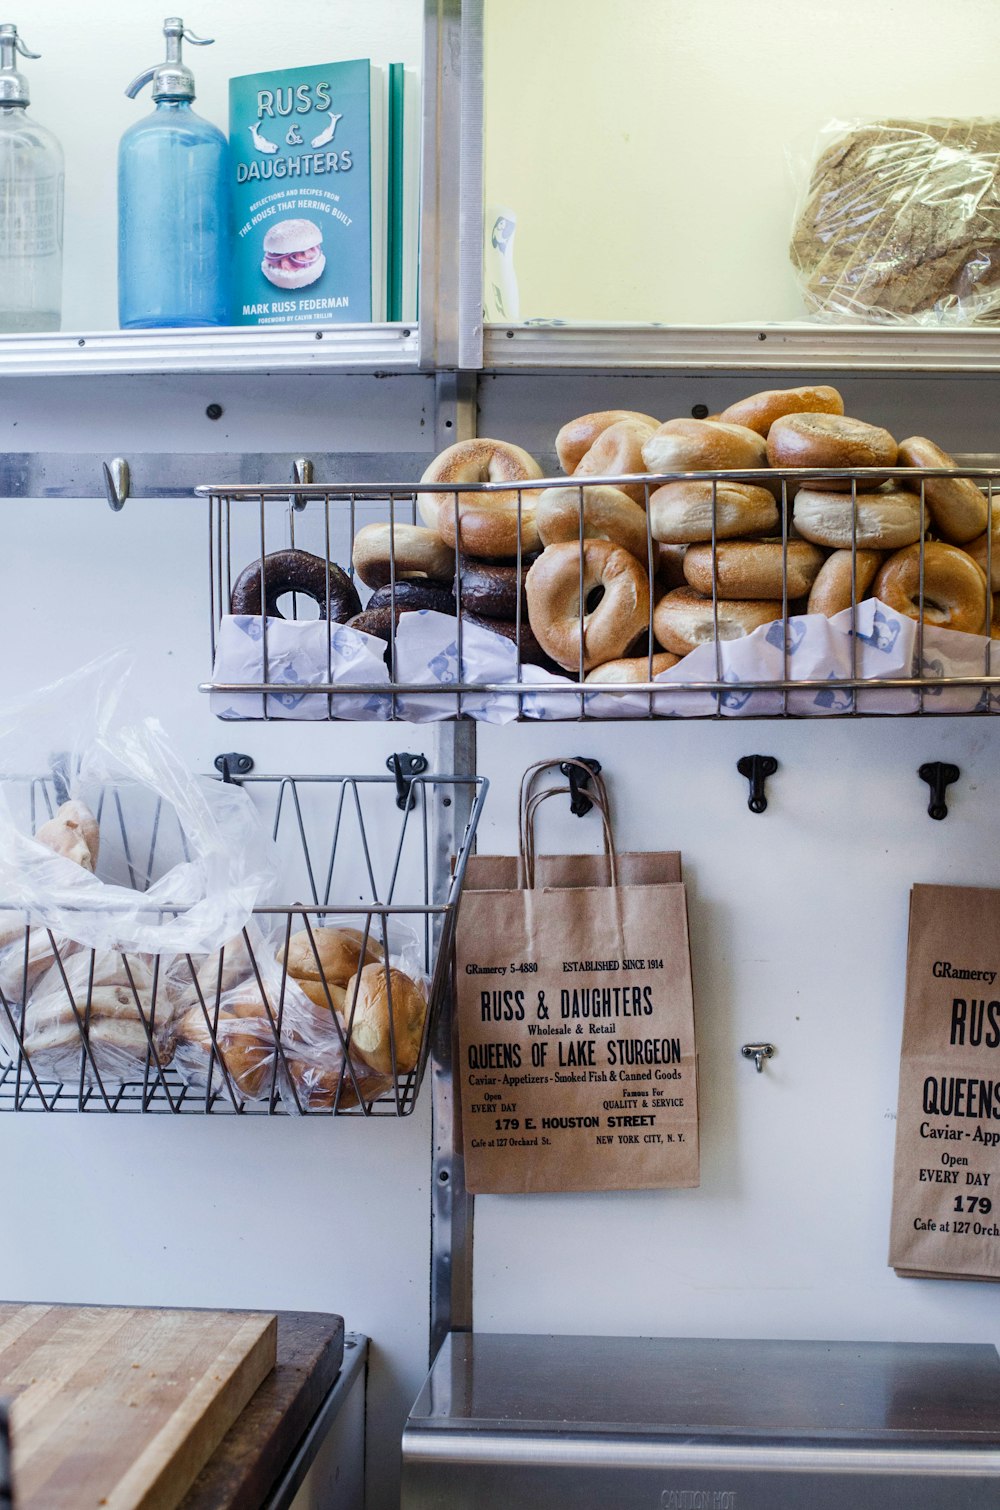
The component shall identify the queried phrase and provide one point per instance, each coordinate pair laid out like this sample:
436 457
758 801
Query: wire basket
247 525
366 852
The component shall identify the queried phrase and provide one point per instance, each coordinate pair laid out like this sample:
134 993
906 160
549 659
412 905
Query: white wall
644 146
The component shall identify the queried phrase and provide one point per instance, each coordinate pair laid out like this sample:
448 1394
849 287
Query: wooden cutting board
117 1409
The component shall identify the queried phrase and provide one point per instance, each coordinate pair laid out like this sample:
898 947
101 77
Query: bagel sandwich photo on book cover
325 164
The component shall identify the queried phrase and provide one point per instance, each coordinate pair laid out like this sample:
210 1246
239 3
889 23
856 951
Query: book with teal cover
309 194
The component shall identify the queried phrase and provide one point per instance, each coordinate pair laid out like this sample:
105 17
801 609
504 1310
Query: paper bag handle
529 804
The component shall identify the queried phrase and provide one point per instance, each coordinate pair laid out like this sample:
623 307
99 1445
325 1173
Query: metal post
451 236
451 1203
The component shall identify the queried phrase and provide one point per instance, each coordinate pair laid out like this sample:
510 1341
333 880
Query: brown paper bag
577 1056
946 1187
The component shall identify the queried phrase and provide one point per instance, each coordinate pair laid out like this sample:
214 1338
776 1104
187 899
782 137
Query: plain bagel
831 591
956 504
633 668
486 523
680 513
886 520
576 438
760 410
604 513
753 568
703 445
685 619
829 440
617 452
560 617
419 554
955 593
977 549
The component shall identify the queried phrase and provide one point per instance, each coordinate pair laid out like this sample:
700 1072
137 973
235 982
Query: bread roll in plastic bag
110 1012
181 860
901 222
262 1037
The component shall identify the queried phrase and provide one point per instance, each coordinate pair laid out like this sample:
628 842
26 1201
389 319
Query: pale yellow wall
642 143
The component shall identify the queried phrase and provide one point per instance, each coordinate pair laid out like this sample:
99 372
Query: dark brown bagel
295 571
490 588
531 652
412 596
375 621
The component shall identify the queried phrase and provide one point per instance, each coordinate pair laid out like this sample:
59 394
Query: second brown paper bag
577 1056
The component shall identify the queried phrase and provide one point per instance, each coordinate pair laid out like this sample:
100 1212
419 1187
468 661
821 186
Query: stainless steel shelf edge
290 348
604 1449
756 348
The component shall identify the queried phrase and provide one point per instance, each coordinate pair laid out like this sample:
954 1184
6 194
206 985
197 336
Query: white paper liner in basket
818 649
297 658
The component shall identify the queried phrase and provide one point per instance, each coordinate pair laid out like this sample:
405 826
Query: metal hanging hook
302 471
232 765
117 482
579 803
758 1052
939 775
404 767
757 768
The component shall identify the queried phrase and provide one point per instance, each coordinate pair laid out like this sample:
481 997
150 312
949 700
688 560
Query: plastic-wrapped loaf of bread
901 221
125 1008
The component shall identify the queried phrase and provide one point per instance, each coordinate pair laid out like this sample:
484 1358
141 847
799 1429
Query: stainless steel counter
622 1422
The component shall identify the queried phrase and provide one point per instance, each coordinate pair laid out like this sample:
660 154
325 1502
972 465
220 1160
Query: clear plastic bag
182 861
246 1029
900 222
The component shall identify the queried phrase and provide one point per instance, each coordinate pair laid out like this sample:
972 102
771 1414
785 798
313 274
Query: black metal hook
579 802
939 775
233 765
757 768
404 767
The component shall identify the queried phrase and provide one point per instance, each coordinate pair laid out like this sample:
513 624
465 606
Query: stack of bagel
614 582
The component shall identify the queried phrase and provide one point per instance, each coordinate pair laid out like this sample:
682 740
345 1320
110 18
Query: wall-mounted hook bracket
117 482
302 471
758 1052
579 803
939 776
756 769
404 767
233 765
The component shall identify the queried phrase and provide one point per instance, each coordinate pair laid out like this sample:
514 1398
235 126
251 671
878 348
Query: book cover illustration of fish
308 154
